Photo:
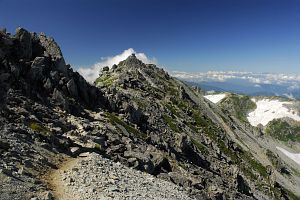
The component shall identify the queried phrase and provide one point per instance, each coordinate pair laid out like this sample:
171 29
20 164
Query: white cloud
256 78
91 73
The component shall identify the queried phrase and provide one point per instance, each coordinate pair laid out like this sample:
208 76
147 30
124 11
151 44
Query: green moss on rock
170 122
116 120
39 128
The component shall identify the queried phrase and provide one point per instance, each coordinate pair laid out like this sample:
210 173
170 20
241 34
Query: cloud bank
91 73
292 80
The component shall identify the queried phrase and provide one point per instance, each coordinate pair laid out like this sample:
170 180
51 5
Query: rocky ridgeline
199 146
137 115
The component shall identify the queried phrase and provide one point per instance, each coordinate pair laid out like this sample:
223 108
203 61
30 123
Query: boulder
61 66
161 164
4 145
48 84
15 70
59 98
179 179
50 46
242 185
105 69
114 67
37 68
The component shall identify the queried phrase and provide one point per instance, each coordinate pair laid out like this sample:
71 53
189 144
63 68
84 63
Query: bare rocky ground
94 177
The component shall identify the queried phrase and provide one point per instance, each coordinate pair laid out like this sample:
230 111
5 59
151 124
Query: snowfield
294 156
215 98
268 109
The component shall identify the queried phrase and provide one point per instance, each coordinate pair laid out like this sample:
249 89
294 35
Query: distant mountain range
255 84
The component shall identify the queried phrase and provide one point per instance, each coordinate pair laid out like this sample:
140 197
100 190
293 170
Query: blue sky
186 35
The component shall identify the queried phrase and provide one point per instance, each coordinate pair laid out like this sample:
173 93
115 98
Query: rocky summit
136 133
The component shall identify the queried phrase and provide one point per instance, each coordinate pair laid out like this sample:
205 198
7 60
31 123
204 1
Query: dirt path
55 179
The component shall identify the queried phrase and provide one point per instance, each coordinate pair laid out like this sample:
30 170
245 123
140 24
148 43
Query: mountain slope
216 142
137 115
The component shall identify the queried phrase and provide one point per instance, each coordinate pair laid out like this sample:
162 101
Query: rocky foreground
95 177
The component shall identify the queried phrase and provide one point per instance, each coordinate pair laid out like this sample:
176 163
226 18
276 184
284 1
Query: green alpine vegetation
238 106
283 130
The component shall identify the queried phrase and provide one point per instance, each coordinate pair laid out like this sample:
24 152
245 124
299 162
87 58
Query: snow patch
267 110
294 156
215 98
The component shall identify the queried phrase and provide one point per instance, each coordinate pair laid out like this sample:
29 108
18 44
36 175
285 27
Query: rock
105 69
59 98
135 114
161 164
55 76
242 185
5 171
27 163
48 196
21 170
100 140
285 170
15 70
2 54
4 145
4 77
24 37
54 51
114 67
61 66
179 179
50 46
37 68
75 150
72 88
48 85
83 90
215 191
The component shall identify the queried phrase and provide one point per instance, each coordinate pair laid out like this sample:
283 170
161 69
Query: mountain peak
132 61
132 55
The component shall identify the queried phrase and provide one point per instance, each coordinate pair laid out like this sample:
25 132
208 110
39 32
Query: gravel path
95 177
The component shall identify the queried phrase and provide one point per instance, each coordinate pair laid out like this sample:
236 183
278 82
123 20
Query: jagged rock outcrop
34 64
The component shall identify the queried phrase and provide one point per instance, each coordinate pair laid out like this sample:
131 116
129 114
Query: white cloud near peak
92 72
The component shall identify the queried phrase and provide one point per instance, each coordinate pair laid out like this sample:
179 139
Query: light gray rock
115 181
72 88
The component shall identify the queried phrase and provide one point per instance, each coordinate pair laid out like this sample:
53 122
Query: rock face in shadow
34 63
